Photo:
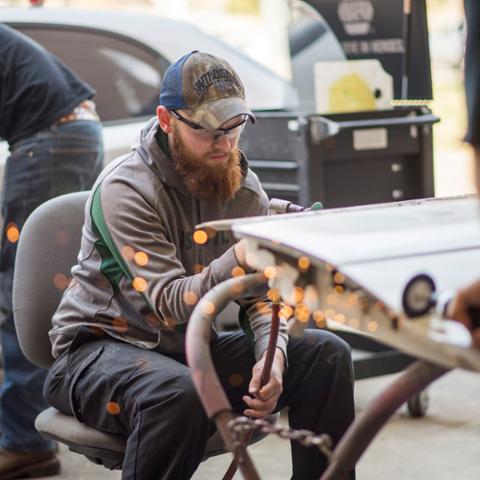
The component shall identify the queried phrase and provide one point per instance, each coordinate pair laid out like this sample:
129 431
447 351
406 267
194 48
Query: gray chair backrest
47 250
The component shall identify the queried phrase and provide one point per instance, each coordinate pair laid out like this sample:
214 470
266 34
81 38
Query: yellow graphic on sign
350 93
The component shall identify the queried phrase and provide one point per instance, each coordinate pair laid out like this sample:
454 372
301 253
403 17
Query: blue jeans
64 158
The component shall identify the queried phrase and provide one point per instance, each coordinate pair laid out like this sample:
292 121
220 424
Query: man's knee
328 349
171 409
178 397
186 396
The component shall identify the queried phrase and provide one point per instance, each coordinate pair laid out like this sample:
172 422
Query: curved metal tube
199 359
266 371
272 344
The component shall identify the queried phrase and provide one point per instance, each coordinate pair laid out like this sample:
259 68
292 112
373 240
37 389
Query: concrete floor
443 445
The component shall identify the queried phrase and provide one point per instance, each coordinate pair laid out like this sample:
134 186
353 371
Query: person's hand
458 308
240 253
262 401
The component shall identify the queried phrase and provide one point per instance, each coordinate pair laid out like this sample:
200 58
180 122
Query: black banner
379 29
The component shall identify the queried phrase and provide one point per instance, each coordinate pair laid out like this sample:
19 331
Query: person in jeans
467 299
55 143
119 332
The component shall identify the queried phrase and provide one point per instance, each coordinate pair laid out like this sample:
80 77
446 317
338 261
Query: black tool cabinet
345 160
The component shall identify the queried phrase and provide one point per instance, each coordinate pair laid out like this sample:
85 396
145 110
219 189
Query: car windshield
265 89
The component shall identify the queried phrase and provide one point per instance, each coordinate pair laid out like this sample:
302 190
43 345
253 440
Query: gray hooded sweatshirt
139 272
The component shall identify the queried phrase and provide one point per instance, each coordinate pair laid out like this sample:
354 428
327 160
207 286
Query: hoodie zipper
198 253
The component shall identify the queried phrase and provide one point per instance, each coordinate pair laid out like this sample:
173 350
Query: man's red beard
203 180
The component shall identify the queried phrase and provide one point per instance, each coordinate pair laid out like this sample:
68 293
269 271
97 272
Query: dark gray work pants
161 413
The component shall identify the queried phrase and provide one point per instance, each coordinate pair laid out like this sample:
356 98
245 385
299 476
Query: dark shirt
162 140
472 71
35 87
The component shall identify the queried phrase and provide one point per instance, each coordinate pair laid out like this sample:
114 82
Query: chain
240 426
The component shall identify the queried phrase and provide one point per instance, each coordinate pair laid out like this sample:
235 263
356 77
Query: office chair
47 249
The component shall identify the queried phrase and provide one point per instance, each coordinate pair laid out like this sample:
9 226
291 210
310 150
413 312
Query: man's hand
240 253
263 400
458 309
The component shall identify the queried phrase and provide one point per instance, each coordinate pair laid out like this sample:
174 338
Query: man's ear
164 119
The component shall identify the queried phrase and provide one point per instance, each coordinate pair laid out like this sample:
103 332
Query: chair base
104 448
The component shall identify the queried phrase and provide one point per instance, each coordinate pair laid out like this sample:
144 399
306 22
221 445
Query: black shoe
28 464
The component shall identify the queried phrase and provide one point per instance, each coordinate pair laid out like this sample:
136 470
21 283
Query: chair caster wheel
418 404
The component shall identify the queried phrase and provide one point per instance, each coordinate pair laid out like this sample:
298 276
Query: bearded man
118 335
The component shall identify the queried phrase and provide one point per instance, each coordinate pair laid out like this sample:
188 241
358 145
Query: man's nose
223 142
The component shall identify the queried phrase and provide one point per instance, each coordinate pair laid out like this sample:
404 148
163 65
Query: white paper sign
352 86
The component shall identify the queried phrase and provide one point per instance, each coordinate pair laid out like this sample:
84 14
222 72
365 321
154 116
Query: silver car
124 56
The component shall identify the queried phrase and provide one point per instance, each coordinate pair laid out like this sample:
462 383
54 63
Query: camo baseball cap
207 87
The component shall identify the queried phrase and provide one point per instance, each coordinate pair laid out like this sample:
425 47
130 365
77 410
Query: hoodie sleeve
256 312
255 322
